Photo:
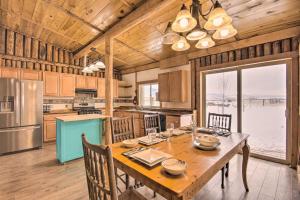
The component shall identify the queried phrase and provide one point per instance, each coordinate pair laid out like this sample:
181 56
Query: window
148 95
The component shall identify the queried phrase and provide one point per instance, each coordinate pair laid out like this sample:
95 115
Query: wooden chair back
122 129
100 172
220 121
151 121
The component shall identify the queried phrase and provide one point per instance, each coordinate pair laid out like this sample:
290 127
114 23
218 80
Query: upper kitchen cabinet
173 86
101 88
91 82
80 81
51 83
163 86
27 74
6 72
67 85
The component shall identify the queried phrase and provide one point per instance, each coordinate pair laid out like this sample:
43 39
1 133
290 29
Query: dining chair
151 121
122 129
223 122
100 174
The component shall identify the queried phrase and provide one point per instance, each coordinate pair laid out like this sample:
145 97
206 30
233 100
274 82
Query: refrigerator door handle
20 129
17 103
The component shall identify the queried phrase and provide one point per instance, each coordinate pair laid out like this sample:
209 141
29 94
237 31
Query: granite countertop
70 118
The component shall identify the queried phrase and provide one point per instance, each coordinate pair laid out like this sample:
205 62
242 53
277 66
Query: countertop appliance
21 114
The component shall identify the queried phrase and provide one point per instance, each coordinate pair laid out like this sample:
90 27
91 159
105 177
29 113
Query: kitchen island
68 134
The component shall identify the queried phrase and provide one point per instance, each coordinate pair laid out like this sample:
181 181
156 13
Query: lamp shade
217 18
87 70
93 68
181 45
184 21
196 34
225 32
99 64
205 43
170 37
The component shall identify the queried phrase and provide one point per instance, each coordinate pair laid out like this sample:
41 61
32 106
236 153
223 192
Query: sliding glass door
264 109
256 97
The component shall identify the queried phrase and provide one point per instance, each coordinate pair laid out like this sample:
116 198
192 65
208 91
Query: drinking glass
170 129
152 134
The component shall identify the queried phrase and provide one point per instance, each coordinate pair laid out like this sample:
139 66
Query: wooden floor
37 175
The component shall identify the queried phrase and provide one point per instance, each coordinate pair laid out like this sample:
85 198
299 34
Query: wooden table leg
246 151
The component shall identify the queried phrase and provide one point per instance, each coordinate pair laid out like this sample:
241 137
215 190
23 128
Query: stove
85 106
88 111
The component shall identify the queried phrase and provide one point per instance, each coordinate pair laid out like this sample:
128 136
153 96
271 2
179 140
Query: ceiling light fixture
187 21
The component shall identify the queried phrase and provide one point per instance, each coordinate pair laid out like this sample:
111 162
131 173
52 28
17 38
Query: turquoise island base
68 134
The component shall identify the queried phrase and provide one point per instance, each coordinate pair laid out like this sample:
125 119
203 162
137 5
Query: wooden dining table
201 165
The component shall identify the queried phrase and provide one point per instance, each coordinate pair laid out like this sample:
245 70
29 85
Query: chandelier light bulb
224 32
181 44
184 22
204 43
218 21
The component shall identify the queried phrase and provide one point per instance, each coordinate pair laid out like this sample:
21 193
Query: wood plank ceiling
73 23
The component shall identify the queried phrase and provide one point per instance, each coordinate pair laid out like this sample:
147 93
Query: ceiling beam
174 61
137 16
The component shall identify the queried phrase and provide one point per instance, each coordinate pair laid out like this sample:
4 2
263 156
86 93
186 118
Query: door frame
238 69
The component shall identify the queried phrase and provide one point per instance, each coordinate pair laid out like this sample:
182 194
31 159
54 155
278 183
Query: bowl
174 166
166 134
130 143
208 140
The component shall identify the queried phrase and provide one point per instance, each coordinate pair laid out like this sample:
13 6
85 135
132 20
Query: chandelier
186 26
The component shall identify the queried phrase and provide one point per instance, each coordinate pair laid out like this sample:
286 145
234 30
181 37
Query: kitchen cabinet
91 82
101 88
173 86
179 120
80 81
163 87
27 74
51 83
6 72
67 85
50 126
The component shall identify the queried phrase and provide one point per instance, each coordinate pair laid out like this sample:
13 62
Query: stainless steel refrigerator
21 114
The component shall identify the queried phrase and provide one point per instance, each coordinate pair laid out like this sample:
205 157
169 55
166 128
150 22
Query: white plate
151 156
178 132
145 140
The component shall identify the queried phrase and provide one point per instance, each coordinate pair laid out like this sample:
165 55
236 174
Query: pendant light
205 43
225 32
181 45
87 70
217 18
170 37
93 68
184 21
100 65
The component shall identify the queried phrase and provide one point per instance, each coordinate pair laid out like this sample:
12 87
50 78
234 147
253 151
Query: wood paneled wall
260 50
20 51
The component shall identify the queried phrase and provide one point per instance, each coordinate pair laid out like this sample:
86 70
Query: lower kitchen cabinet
49 131
50 126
